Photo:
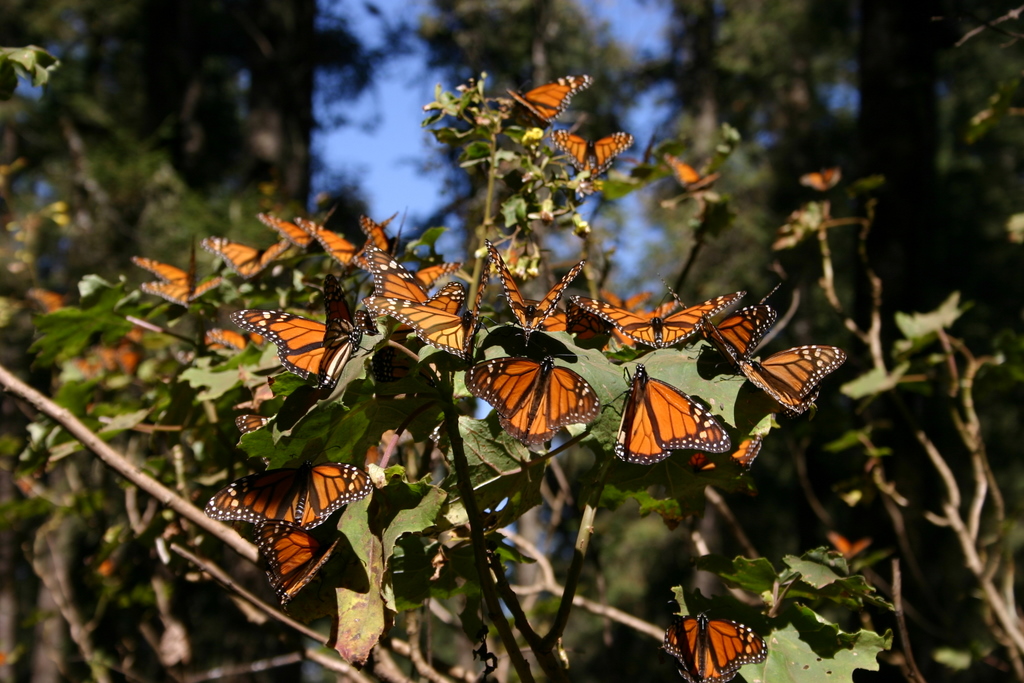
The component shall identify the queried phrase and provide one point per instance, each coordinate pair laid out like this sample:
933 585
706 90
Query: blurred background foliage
166 121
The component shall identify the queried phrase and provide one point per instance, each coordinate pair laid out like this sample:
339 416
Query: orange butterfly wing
178 286
528 313
533 400
595 157
293 557
687 175
336 246
658 418
654 330
712 650
243 259
823 180
286 229
791 377
216 338
47 301
305 496
299 341
426 277
390 278
545 103
250 423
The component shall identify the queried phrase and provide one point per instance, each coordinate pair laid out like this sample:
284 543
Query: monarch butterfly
46 300
288 230
375 234
437 320
712 650
216 338
748 451
577 321
336 246
743 456
700 462
633 304
306 346
305 496
391 279
658 418
594 156
823 180
848 548
530 314
178 287
738 335
533 400
687 175
791 377
293 557
654 330
250 423
544 104
243 259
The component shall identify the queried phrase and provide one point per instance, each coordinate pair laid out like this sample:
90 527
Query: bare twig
730 519
126 468
901 622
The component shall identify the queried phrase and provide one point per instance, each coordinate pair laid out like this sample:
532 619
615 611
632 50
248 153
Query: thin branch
548 584
579 554
730 519
125 467
412 627
476 532
901 622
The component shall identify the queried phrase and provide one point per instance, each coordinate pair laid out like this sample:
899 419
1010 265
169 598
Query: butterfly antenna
794 304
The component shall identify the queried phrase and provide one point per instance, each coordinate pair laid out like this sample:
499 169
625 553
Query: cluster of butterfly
542 105
285 503
712 650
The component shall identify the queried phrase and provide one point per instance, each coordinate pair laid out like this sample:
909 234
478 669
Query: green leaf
802 646
405 508
874 381
918 326
362 616
514 211
68 331
211 383
505 483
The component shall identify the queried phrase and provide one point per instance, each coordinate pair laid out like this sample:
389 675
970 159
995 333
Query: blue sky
386 147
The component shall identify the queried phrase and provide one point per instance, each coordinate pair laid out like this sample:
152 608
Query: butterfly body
293 557
544 104
241 258
791 377
287 229
439 321
533 399
177 286
654 330
305 496
658 418
712 650
308 346
530 313
594 156
738 335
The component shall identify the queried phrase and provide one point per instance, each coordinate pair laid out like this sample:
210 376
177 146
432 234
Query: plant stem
476 534
572 578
